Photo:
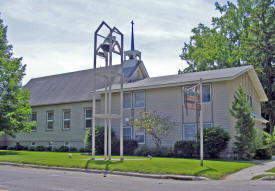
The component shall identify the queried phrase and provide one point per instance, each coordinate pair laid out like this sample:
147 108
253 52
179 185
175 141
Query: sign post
201 125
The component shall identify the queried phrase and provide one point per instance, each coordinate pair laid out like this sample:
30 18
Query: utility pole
201 125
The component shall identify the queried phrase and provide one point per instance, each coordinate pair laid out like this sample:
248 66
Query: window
50 117
250 101
190 130
140 136
66 119
66 144
139 99
88 117
33 144
127 100
206 93
34 119
127 133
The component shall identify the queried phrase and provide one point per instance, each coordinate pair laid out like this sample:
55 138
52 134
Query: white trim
47 120
63 120
88 118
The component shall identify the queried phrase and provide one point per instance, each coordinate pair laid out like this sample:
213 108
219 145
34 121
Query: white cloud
57 36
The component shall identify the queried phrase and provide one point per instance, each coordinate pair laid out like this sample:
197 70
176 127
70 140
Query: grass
271 170
212 169
262 175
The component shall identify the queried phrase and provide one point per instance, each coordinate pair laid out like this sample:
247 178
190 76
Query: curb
134 174
267 178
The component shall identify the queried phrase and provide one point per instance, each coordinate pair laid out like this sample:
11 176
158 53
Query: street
30 179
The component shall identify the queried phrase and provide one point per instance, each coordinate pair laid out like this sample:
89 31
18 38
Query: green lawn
212 169
271 170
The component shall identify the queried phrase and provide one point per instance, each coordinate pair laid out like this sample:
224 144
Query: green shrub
32 149
129 146
215 140
49 148
10 148
63 149
83 150
263 154
154 151
18 147
99 139
40 148
3 147
185 148
73 149
161 152
142 151
25 148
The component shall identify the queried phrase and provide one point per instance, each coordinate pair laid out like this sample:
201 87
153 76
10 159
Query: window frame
89 118
67 145
63 120
47 120
135 98
187 86
35 129
210 92
131 134
140 143
184 138
131 101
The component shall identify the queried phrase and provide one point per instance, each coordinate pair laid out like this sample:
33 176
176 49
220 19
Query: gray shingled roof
206 76
67 87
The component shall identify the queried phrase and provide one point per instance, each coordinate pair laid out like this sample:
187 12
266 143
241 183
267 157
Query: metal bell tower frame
105 50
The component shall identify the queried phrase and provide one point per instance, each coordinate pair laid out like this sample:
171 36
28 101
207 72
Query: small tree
245 139
155 124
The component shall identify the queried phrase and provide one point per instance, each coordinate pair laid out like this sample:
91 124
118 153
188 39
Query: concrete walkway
249 173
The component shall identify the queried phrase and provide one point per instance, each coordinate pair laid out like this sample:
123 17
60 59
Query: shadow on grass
10 153
102 163
205 171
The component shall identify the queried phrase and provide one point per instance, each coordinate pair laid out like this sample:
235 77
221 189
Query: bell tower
132 54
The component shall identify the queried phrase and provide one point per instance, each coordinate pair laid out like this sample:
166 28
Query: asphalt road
29 179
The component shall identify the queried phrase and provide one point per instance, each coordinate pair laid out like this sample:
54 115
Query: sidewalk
249 173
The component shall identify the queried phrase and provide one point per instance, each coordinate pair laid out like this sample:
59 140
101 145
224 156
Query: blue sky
56 36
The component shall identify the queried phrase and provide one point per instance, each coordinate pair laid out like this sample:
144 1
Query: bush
73 149
263 154
32 149
3 147
99 139
49 148
161 152
10 148
18 147
215 140
40 148
26 148
142 151
83 150
129 147
63 149
185 148
154 151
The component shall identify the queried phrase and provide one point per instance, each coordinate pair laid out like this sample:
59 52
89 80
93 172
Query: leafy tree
155 124
242 35
245 139
14 106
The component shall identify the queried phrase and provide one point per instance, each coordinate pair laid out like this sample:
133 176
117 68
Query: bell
105 46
